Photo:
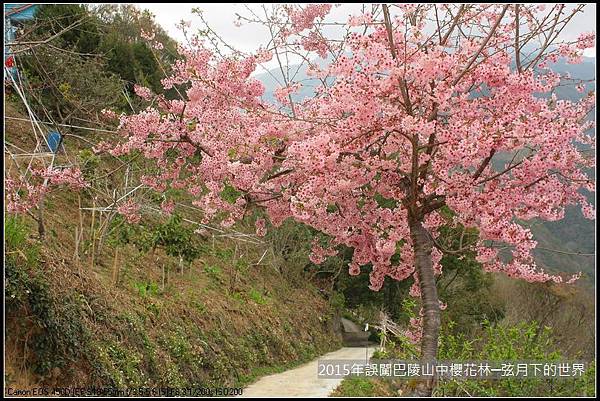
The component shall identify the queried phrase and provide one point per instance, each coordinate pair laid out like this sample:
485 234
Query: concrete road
303 380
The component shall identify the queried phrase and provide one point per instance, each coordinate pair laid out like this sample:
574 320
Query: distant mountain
574 233
274 79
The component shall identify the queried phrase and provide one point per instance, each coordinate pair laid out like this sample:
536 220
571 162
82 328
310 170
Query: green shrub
21 263
355 387
258 297
522 342
526 341
63 335
147 289
213 272
176 238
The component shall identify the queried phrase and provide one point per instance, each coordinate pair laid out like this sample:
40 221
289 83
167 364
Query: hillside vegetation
134 317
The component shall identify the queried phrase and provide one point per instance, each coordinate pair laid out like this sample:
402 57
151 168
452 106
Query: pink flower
147 35
304 18
315 42
586 40
319 254
26 191
168 206
142 92
360 20
264 56
261 228
131 211
281 94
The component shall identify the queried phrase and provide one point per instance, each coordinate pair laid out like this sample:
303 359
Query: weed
258 297
146 289
122 364
238 296
355 387
199 306
213 272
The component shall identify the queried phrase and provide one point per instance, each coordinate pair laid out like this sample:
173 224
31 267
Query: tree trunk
40 220
104 232
431 308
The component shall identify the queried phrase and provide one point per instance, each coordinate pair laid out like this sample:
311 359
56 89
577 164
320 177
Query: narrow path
303 380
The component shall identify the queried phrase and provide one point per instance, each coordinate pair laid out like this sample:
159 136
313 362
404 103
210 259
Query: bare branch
481 47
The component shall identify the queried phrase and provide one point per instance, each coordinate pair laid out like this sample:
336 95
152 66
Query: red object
10 62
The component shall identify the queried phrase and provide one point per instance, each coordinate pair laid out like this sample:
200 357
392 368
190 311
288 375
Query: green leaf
230 194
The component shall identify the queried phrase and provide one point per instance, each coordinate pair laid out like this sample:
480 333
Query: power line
64 125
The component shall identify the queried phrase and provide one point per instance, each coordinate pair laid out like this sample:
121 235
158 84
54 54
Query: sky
221 18
247 38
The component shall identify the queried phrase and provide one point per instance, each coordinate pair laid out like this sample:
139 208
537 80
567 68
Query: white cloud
248 37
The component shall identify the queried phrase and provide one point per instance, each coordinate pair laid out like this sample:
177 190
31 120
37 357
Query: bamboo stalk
93 236
116 267
80 217
76 255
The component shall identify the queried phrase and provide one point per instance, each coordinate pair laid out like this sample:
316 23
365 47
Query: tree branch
483 44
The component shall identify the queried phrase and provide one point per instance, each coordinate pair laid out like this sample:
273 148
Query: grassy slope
82 325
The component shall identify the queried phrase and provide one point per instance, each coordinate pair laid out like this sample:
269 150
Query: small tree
26 193
175 238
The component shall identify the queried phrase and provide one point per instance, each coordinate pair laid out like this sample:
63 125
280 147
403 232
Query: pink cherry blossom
142 92
168 206
25 192
261 228
130 210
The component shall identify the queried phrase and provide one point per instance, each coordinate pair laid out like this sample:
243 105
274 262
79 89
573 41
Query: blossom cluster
24 193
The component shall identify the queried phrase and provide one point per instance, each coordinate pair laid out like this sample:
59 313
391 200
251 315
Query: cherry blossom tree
26 191
421 116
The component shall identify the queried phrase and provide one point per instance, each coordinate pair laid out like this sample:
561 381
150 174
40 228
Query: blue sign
54 139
